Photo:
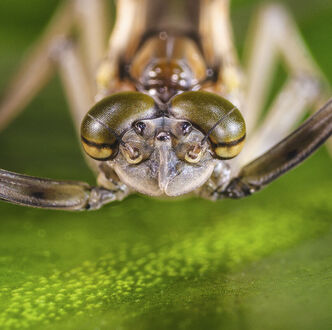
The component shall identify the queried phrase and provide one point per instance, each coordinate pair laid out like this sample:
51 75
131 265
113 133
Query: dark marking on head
231 143
99 145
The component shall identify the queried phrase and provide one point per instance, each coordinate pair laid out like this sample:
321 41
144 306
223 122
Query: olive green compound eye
218 118
105 122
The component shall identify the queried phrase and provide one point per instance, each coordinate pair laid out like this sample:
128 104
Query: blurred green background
260 263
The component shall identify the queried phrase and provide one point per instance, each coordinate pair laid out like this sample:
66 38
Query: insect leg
93 19
45 193
274 35
216 32
75 80
282 157
37 67
129 26
76 85
218 46
296 96
80 97
66 195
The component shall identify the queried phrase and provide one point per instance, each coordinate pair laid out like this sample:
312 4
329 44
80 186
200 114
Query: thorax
166 65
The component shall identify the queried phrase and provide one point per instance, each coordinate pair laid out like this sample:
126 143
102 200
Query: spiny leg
275 35
290 152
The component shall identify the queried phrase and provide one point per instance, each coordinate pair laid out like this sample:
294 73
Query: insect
165 108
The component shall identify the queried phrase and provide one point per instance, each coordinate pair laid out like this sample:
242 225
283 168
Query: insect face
163 152
171 160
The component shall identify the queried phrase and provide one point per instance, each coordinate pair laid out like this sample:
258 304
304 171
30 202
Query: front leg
282 157
220 177
50 194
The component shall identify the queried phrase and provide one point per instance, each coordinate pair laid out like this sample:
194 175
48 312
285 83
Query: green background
260 263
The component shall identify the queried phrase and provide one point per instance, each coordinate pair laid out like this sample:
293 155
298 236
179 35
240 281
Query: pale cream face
163 157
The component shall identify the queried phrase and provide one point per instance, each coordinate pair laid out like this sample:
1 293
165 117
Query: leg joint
59 46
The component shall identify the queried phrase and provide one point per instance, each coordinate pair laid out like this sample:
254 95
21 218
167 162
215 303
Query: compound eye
97 141
106 121
216 117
